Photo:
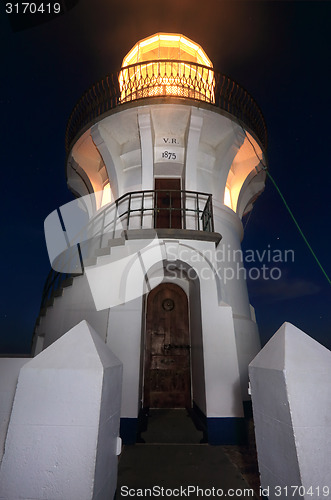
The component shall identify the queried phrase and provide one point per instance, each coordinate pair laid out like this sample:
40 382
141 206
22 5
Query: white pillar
63 434
291 386
192 149
105 152
9 371
147 156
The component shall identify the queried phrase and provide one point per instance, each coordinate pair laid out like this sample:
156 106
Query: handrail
139 210
194 210
165 78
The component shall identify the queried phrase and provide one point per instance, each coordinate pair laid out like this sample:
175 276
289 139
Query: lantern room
167 46
166 64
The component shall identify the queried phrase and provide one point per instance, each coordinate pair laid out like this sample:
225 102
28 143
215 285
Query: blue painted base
226 430
221 430
128 430
217 430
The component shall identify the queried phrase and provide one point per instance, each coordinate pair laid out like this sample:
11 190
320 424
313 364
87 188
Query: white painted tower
163 158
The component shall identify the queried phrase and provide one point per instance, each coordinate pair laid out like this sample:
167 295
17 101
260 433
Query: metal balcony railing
152 209
165 78
162 208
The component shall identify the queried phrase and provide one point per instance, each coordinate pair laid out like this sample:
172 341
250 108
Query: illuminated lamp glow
227 197
204 58
162 78
169 38
243 164
148 41
106 195
130 56
172 40
190 44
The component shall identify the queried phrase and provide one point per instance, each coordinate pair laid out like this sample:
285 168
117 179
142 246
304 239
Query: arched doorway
167 378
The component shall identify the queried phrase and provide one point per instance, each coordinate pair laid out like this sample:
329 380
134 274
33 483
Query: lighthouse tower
164 158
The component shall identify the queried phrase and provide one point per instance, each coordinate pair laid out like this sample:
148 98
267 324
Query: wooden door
167 381
168 203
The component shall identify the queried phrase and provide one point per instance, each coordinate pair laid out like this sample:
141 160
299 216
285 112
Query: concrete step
116 242
67 282
102 251
50 302
91 261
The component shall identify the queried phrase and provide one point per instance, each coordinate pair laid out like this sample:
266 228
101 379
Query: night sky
278 51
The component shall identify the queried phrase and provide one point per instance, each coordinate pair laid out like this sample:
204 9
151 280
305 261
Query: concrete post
9 371
63 434
291 388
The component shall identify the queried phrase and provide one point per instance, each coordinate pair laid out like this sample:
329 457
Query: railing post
81 260
142 210
211 212
129 209
155 208
197 209
102 228
115 218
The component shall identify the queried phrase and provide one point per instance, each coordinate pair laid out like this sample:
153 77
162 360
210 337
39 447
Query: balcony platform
176 234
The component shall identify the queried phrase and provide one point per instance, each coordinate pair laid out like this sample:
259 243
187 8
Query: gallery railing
166 78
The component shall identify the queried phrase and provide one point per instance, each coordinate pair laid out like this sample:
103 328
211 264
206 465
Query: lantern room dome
167 46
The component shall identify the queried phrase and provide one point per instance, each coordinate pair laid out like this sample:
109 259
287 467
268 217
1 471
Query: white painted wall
217 372
9 371
124 339
220 363
229 263
223 395
210 142
73 306
248 345
62 437
197 354
291 389
203 141
131 143
221 368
